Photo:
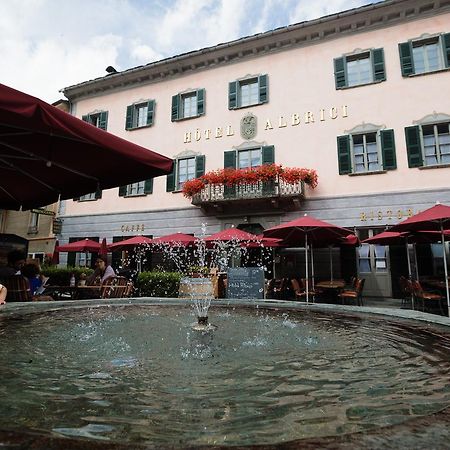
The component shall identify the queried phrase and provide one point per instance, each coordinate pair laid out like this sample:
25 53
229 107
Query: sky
46 45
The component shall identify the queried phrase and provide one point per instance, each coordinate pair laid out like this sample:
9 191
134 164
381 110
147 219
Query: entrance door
373 265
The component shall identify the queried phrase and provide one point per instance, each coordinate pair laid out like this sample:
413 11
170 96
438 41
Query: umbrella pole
445 268
409 270
306 268
312 271
415 262
331 262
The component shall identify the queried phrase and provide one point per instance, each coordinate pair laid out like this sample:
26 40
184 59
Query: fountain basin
133 372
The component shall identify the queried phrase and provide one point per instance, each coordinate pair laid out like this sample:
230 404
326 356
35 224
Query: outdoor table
333 287
71 292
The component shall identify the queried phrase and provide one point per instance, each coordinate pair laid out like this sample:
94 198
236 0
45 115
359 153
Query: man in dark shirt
16 260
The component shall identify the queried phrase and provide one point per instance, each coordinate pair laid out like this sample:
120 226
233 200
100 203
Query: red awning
176 239
46 153
130 243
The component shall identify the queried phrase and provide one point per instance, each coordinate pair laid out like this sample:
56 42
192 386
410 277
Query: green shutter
263 89
71 256
377 56
406 58
229 159
150 112
122 191
344 156
340 76
103 120
148 186
85 118
98 193
199 166
170 181
200 102
268 154
129 118
413 146
175 107
388 149
445 39
232 95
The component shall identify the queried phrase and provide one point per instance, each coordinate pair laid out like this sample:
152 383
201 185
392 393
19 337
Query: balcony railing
262 190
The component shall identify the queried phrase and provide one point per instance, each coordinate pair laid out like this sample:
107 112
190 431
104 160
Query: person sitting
31 272
102 272
16 260
3 293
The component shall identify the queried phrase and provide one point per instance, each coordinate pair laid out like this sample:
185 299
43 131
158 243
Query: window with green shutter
140 115
359 69
170 179
366 152
428 144
248 92
418 56
188 105
99 120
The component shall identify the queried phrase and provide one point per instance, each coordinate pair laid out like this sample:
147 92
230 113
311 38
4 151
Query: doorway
373 265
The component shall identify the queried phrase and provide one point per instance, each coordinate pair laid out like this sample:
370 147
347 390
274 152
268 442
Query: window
366 157
184 169
33 227
248 92
362 68
89 197
428 145
366 152
425 55
140 115
99 120
188 105
136 189
249 158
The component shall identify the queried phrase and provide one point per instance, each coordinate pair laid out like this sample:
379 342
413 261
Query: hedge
61 276
158 284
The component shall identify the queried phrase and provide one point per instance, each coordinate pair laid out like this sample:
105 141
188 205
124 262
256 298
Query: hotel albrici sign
248 124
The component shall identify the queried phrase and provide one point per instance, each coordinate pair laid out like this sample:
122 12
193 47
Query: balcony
260 196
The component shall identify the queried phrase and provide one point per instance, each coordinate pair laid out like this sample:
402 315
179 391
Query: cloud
50 44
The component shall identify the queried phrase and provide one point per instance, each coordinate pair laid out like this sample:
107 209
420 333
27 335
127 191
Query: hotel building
362 97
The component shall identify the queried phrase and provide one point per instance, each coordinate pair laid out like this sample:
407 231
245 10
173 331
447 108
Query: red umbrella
55 255
55 155
103 248
176 239
436 218
308 230
85 245
135 241
263 242
231 234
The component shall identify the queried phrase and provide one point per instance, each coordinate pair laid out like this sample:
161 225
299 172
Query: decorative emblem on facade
249 126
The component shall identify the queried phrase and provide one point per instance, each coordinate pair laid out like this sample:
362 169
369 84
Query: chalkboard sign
245 282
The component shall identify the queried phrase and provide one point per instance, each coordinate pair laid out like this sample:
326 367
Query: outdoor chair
18 289
311 292
299 291
354 294
407 291
427 300
114 287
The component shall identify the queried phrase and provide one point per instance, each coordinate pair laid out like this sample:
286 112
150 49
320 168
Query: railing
247 191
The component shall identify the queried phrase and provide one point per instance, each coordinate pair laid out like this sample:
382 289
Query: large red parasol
436 218
130 243
306 231
85 245
176 239
103 248
55 255
47 154
231 234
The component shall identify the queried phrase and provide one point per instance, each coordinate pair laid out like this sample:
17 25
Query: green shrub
158 284
61 276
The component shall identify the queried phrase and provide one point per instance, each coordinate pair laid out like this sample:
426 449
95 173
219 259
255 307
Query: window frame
437 145
420 43
87 197
98 119
249 150
359 57
178 107
140 186
178 185
365 153
235 91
